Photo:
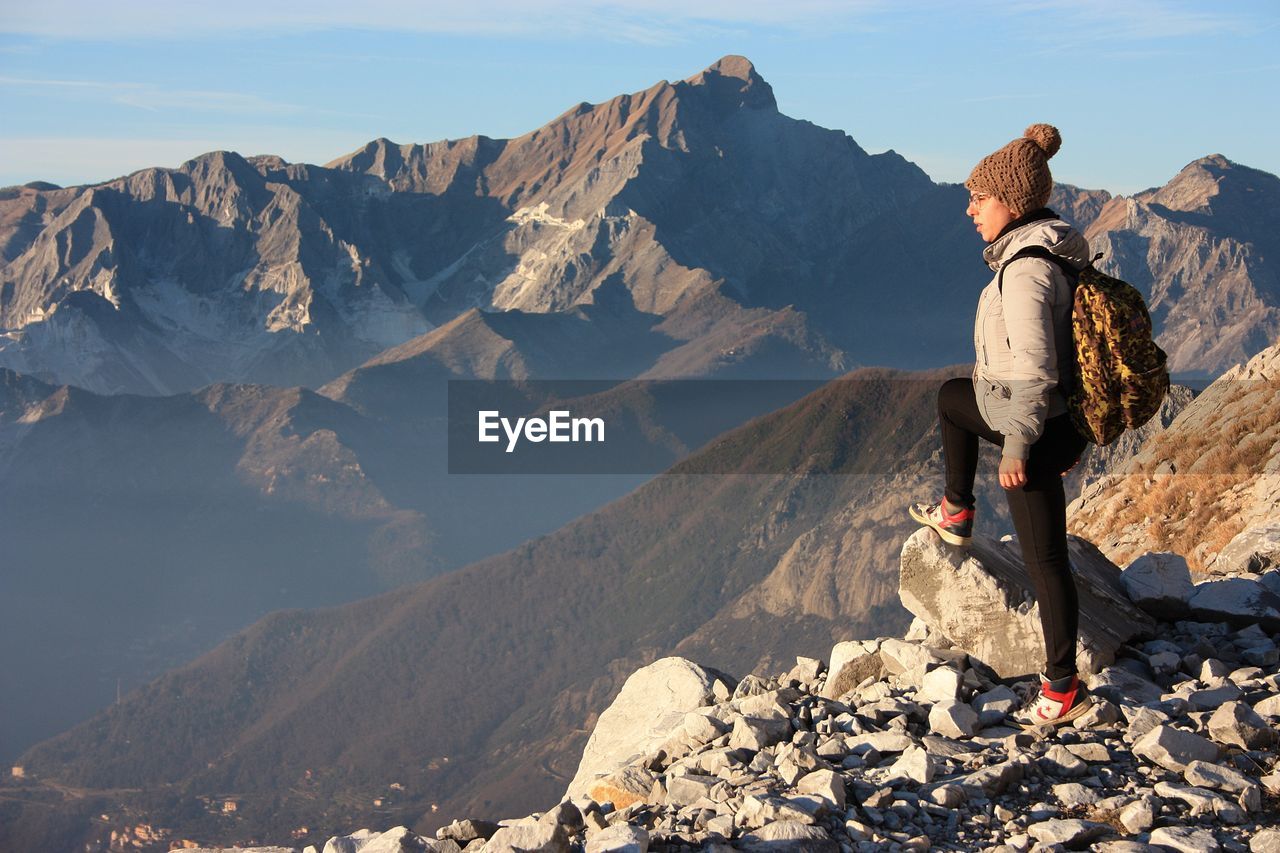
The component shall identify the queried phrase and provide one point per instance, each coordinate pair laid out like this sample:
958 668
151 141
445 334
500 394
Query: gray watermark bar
854 425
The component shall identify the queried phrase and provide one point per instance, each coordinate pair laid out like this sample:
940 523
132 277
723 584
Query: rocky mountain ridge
1198 248
254 269
712 234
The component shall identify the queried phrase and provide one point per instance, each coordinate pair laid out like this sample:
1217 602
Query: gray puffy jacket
1022 337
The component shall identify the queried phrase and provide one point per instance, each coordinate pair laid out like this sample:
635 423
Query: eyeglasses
976 199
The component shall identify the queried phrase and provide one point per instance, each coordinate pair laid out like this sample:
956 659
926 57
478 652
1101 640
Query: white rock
952 718
939 684
918 632
899 656
1185 839
1138 816
851 664
981 599
949 796
702 727
1202 801
755 733
1239 601
1119 685
790 835
994 705
1265 841
392 841
1218 777
1100 713
1165 663
996 778
529 838
619 838
1072 794
805 671
651 704
1173 749
915 764
826 784
1213 669
687 790
1213 697
1094 753
882 742
1159 583
1068 833
623 787
1254 550
1059 761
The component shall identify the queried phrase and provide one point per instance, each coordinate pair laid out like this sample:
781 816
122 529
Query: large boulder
1159 583
367 841
529 838
980 598
1239 601
651 704
1255 550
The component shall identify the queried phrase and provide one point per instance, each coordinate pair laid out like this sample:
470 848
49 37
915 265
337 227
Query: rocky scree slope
1207 485
905 744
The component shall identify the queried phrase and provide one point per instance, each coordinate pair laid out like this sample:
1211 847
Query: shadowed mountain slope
529 643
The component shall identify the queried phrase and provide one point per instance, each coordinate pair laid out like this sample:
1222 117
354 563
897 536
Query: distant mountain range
705 231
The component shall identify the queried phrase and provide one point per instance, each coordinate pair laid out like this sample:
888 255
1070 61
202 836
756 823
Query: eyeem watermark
559 426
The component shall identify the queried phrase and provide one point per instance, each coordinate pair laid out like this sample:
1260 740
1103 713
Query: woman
1016 398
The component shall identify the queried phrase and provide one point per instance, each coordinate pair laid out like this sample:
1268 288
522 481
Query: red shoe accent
1066 697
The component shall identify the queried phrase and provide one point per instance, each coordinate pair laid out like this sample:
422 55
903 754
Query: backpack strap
1044 254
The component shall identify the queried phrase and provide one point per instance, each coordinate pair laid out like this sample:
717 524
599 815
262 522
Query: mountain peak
734 65
1216 184
735 79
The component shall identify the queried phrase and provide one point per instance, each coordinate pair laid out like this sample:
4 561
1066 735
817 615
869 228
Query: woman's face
990 215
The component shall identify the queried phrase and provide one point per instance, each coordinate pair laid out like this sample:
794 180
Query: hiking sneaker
956 528
1055 703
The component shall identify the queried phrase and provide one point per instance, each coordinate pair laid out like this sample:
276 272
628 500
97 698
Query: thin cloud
1008 97
1131 20
640 21
146 96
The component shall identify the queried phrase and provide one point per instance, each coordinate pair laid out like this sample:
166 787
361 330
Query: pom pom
1046 136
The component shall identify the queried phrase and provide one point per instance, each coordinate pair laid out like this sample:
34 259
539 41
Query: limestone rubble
908 743
1179 752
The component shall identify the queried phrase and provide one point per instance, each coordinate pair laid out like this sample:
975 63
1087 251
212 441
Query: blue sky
1139 88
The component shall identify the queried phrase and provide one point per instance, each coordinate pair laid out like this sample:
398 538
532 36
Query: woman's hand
1013 472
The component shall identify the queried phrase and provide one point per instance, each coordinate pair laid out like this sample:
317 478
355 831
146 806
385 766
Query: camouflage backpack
1121 376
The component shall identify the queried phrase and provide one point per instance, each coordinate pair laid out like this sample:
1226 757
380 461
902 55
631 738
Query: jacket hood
1054 234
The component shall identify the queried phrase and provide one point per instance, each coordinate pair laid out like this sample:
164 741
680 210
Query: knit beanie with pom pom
1018 174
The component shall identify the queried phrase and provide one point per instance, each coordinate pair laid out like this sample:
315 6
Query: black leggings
1039 510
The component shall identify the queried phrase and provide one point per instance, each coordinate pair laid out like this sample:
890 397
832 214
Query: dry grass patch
1184 491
